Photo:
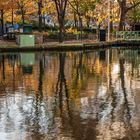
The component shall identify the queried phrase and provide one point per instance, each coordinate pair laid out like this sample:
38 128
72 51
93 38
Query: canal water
92 95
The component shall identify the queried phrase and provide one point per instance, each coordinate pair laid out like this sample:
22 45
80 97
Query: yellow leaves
97 11
5 4
71 30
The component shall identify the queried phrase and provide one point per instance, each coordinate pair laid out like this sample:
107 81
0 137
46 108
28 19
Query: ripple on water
70 96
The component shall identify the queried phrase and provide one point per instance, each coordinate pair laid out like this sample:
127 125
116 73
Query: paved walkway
8 43
73 45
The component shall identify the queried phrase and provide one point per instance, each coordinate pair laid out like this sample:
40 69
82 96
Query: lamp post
109 20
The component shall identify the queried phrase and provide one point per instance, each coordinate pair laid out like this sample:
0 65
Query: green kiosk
25 38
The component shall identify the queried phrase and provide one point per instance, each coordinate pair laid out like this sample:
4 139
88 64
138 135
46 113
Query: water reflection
76 96
27 62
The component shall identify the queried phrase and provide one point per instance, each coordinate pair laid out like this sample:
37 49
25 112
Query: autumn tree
22 9
125 6
4 6
25 7
39 7
134 15
76 7
61 6
2 16
10 11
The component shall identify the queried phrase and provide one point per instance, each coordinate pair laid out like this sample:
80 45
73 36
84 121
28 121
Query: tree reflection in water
75 95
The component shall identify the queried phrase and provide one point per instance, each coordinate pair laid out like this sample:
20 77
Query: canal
90 95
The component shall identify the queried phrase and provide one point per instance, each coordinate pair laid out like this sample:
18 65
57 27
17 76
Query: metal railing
128 35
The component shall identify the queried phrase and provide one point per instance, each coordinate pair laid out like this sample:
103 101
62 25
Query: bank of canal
134 44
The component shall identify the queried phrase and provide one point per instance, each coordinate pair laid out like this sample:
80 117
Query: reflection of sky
20 117
115 107
115 69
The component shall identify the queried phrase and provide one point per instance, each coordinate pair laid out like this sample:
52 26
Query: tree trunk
111 22
75 20
23 16
2 21
40 15
61 21
12 16
44 23
61 9
111 26
40 23
80 22
123 11
122 19
80 25
88 21
61 29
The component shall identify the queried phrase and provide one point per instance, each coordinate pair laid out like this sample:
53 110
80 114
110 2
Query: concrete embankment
71 47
